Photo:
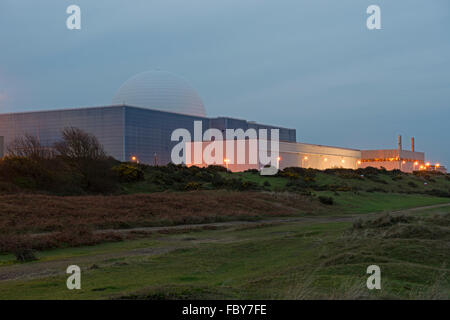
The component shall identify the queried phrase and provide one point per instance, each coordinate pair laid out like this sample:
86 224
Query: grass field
324 259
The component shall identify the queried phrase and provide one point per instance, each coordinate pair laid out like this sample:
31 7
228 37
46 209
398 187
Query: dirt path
315 219
57 267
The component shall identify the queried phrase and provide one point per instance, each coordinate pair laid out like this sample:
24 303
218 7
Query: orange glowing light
279 158
226 160
359 161
416 163
306 158
428 164
437 165
404 162
133 158
343 161
325 159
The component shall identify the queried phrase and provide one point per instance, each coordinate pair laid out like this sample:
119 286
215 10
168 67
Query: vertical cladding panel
148 133
106 123
230 123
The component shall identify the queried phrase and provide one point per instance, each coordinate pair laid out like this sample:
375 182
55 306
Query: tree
29 146
77 144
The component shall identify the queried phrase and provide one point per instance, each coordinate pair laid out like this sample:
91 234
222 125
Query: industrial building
150 106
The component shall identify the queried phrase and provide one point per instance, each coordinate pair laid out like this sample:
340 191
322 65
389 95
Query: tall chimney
413 144
399 142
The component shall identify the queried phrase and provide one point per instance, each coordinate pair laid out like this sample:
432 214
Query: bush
216 169
25 255
39 174
438 193
412 184
296 172
128 173
326 200
190 186
377 190
344 173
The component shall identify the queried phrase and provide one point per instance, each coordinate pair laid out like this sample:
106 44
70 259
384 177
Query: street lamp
134 159
226 162
305 158
278 162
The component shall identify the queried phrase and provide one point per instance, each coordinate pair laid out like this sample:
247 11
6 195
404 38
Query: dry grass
72 220
42 213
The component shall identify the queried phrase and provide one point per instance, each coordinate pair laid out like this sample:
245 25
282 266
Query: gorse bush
326 200
128 173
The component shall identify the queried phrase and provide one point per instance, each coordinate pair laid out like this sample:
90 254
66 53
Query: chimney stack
413 144
399 142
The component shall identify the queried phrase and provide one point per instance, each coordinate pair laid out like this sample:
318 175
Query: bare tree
30 147
77 144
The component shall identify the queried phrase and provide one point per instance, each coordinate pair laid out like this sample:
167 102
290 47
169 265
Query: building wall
106 123
394 159
317 156
291 154
124 131
223 123
148 133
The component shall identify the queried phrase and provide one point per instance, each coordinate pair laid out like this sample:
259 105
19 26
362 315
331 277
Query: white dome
160 90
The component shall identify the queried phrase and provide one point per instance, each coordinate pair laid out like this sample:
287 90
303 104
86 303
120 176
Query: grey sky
306 64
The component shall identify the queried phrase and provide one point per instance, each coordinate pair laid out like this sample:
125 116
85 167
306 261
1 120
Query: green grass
286 261
366 202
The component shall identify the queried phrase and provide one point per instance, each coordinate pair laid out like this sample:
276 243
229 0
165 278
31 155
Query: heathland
172 232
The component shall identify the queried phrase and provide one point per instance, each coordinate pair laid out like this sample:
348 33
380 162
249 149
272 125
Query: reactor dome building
160 90
139 123
148 107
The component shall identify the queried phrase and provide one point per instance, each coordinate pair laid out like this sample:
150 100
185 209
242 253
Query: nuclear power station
147 108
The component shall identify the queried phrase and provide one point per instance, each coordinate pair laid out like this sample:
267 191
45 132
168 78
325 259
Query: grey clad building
145 112
150 106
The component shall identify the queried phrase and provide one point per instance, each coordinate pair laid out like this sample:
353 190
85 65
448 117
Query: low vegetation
73 201
296 260
41 221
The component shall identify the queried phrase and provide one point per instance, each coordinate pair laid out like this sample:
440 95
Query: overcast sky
307 64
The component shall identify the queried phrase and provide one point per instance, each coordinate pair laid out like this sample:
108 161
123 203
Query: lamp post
416 163
305 158
226 162
134 159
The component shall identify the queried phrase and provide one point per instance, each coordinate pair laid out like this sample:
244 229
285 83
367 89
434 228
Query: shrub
438 193
377 190
128 173
39 174
344 173
326 200
77 144
296 172
216 169
24 255
29 146
412 184
376 179
217 181
192 185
